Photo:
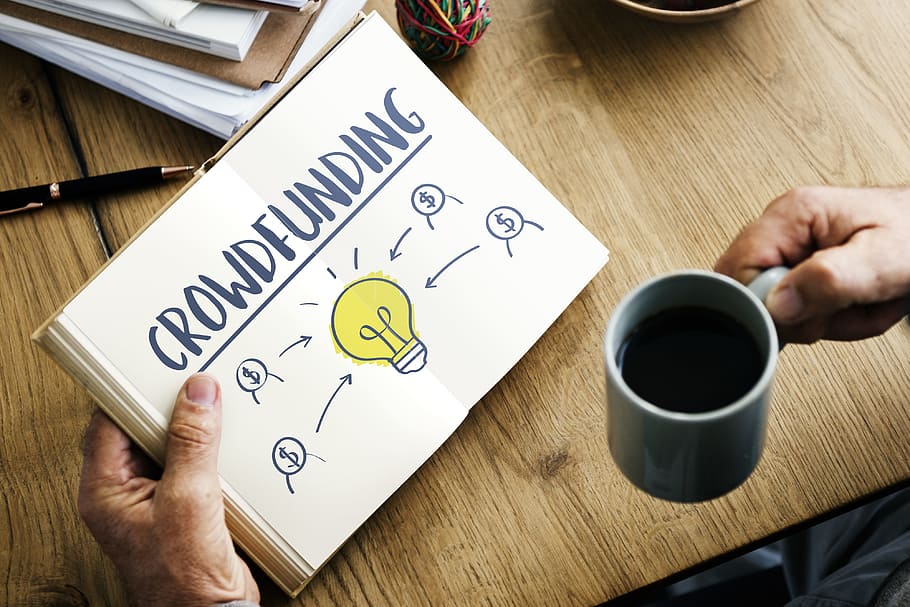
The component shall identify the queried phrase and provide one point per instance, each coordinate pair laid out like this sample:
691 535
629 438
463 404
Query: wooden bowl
685 16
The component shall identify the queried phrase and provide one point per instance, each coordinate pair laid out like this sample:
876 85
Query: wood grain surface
663 140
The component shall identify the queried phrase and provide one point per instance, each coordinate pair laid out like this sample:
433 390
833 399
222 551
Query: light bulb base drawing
411 358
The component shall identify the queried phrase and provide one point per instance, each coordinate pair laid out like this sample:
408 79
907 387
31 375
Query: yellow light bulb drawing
373 321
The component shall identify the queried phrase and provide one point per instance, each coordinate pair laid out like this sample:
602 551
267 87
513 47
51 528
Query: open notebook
355 296
218 30
210 103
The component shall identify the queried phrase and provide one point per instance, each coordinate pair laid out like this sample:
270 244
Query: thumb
830 280
194 433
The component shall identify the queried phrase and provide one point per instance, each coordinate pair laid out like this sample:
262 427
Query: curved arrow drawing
393 253
431 281
347 379
304 339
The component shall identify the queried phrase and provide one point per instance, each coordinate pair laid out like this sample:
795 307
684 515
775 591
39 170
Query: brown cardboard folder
267 60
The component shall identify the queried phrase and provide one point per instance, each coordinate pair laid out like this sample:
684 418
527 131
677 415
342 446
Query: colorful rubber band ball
440 30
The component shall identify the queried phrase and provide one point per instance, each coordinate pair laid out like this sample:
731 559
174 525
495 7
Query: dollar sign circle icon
251 374
427 199
505 222
289 455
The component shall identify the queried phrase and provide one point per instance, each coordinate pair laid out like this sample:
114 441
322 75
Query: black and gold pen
35 197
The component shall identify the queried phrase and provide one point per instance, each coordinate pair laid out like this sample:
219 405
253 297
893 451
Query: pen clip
29 206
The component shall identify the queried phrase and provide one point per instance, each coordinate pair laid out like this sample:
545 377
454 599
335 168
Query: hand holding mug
849 250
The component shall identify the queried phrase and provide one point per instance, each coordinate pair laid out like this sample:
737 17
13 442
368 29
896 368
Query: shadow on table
754 579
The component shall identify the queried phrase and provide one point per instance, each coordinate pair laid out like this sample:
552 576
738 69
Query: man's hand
167 537
849 249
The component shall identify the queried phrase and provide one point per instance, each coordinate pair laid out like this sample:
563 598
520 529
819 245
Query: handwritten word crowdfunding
314 210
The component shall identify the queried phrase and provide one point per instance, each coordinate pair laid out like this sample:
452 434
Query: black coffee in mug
690 359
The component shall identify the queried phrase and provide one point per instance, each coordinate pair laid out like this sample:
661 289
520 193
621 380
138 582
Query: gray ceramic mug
690 457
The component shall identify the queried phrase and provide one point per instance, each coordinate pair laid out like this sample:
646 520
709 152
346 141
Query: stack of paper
269 5
218 30
212 103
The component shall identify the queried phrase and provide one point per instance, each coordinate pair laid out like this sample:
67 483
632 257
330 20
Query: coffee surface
690 359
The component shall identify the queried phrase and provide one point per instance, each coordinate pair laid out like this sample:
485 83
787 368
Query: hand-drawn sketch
373 322
431 280
505 223
289 456
346 380
252 375
304 339
394 253
428 199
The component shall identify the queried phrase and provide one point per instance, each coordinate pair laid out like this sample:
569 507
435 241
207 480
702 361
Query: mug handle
762 285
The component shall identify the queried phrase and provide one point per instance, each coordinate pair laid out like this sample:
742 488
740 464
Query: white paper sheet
167 12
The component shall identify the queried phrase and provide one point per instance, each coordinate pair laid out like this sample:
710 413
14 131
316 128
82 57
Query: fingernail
785 304
201 389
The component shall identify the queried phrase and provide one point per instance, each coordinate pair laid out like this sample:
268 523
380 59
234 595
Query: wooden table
663 140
